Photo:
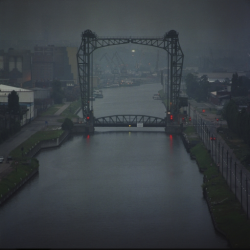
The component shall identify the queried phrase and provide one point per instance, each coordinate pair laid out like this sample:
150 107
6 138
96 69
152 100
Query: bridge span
129 121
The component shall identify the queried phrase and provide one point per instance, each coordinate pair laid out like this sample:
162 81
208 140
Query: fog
219 26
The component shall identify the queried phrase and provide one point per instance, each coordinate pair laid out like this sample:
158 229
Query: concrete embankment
32 152
47 144
185 141
18 186
210 207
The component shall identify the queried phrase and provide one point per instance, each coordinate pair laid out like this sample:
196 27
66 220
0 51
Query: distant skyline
202 24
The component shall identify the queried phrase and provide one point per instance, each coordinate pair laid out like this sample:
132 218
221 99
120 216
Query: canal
118 188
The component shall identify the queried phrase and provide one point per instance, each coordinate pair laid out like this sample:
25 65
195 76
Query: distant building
42 99
50 63
42 65
96 81
220 97
15 67
72 51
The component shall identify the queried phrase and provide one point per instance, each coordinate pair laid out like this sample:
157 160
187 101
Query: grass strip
240 148
226 210
69 112
21 165
51 110
33 140
20 171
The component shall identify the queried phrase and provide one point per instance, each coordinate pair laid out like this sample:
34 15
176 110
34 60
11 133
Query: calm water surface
120 188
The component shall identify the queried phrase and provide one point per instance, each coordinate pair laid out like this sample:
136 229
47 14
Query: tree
235 79
14 110
197 88
191 83
67 124
203 88
13 103
240 85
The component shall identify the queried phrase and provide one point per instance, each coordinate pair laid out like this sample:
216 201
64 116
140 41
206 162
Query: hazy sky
200 23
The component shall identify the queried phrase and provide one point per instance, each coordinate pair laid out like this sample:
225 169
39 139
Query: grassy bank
33 140
22 166
21 169
52 110
240 148
163 97
226 210
69 112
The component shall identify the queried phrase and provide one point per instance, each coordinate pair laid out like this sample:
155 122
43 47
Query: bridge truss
90 42
129 120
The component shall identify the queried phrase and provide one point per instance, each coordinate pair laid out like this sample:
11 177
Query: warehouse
26 99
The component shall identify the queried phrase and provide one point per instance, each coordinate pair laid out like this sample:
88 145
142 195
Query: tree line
197 87
238 120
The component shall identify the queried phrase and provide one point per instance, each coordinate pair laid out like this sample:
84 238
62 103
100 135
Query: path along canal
121 187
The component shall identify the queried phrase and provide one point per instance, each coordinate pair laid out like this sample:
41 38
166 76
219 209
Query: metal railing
235 174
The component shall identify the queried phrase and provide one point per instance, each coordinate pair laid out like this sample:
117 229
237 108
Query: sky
202 24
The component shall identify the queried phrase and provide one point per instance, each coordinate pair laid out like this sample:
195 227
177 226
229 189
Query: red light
171 117
203 110
189 119
87 118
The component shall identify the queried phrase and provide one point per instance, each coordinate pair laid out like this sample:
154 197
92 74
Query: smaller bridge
130 121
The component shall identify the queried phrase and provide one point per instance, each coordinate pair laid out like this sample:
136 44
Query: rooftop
7 88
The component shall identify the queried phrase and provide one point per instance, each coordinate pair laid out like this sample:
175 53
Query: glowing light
133 50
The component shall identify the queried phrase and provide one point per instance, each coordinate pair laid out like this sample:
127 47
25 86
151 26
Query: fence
235 174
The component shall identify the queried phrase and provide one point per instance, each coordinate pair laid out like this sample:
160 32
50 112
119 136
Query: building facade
50 63
15 67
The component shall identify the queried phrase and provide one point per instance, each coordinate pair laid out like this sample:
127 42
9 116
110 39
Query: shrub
67 124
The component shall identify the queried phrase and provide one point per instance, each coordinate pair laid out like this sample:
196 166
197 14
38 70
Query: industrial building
42 100
22 68
26 100
15 67
49 63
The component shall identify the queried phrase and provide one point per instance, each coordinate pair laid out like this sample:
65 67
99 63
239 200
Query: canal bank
227 214
22 153
20 179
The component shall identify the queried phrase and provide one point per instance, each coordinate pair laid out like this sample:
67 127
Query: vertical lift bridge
169 42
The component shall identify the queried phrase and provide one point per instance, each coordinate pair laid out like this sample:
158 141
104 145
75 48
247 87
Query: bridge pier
80 128
173 129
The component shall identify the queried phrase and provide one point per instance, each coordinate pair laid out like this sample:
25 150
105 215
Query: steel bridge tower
90 42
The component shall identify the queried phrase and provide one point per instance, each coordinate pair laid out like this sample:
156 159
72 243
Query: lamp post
212 138
222 159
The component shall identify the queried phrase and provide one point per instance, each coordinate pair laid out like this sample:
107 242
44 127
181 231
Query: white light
133 50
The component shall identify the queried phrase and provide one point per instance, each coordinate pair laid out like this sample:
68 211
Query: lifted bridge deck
129 120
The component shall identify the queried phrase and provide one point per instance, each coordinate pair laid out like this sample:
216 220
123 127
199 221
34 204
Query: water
120 188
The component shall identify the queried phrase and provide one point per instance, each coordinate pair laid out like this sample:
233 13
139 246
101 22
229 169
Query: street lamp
212 138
